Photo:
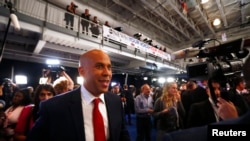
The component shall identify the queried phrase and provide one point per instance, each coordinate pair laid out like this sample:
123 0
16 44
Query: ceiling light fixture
216 22
204 1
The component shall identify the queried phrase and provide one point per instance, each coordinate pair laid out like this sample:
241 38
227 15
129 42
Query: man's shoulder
197 133
201 103
65 97
111 95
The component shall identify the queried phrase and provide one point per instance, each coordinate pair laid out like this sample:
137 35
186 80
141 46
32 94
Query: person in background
31 91
64 83
107 24
85 21
69 15
7 93
95 27
20 99
2 119
194 93
67 117
61 86
144 109
1 89
130 106
205 112
168 111
29 113
116 90
236 95
226 110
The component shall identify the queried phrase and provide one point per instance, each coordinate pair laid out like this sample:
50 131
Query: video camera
224 63
53 69
225 59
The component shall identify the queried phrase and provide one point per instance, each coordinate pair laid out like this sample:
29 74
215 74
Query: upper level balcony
44 35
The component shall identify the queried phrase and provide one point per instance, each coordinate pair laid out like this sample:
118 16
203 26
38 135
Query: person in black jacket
85 21
129 107
69 15
69 117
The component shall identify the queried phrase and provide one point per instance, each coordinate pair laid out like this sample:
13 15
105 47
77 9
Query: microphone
15 21
188 52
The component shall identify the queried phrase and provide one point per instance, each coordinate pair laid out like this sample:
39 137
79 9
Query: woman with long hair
168 110
30 113
20 99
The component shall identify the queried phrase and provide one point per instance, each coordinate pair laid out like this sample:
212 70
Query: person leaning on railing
69 18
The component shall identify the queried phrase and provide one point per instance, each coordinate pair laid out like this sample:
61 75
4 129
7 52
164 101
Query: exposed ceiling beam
189 21
158 10
222 13
39 46
18 39
145 19
242 11
205 18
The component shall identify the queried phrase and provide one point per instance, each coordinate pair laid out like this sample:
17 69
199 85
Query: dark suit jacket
190 97
200 114
200 133
61 119
239 101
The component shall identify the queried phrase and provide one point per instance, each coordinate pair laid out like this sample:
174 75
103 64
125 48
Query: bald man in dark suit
68 117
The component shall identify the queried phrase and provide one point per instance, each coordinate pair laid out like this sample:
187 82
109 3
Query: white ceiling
161 20
165 22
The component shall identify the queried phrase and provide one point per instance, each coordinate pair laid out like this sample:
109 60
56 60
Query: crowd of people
92 23
87 22
60 111
20 105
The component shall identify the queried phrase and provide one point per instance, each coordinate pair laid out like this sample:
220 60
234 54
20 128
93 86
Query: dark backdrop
34 71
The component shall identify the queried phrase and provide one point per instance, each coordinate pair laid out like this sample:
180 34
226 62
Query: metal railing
55 15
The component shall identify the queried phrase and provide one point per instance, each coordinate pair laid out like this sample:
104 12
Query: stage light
170 79
216 22
52 62
21 79
113 84
204 1
161 80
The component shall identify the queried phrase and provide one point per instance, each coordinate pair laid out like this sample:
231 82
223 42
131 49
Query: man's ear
81 71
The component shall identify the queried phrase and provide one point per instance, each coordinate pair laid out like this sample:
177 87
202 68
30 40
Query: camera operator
46 77
69 15
64 82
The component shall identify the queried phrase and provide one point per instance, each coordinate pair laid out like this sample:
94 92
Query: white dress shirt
215 109
87 107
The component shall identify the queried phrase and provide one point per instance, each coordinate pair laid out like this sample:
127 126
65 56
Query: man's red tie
99 132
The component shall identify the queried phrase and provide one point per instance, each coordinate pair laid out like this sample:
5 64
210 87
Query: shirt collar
238 91
211 101
88 97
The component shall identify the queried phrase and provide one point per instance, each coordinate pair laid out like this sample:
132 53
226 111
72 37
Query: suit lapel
110 112
75 107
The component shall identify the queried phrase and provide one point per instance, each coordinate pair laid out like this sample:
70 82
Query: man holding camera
69 15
